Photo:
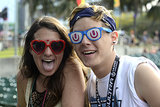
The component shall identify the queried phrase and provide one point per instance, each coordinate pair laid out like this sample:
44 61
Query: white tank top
124 84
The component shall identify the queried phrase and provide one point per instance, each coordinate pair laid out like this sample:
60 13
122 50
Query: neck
105 67
41 83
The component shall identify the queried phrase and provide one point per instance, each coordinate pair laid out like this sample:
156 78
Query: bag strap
28 89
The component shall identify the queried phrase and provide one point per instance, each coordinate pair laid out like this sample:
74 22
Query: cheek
59 58
106 40
76 47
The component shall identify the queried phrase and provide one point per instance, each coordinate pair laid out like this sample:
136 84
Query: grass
9 52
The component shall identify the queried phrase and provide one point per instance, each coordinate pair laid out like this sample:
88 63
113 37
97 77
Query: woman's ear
115 37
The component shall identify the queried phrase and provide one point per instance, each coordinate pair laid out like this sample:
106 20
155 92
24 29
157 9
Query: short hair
99 12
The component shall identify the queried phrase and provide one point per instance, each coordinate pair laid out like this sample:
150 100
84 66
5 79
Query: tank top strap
28 90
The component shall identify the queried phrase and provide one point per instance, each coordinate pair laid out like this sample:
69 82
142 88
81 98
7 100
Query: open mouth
48 65
47 61
89 52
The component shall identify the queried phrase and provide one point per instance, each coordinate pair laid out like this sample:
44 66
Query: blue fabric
88 12
93 102
110 21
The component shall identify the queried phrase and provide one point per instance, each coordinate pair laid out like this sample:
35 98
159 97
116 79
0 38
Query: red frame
47 45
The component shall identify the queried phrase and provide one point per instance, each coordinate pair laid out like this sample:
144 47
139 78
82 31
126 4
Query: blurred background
138 24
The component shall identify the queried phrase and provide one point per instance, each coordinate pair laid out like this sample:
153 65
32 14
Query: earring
114 42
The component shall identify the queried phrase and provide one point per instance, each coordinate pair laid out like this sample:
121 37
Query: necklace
44 98
112 78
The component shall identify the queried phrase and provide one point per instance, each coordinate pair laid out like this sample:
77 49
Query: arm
147 84
20 90
74 85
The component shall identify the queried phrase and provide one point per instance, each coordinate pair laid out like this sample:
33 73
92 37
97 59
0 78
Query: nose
85 40
48 52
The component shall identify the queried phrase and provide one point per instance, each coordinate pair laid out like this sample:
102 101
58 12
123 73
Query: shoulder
21 89
146 71
130 59
146 80
21 83
73 71
21 79
73 61
134 62
72 65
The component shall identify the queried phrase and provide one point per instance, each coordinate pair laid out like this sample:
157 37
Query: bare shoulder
20 78
21 82
146 84
145 71
72 66
21 89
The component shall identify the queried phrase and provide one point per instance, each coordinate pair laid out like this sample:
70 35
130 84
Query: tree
64 8
60 8
153 13
129 5
47 6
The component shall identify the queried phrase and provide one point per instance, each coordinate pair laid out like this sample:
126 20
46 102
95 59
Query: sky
11 9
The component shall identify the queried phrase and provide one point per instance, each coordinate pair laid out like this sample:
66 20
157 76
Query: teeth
89 52
48 60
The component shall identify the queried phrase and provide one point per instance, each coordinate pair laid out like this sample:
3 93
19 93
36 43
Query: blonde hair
98 10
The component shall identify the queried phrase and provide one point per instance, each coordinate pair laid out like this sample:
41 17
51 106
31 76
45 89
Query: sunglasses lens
38 46
94 34
57 46
76 37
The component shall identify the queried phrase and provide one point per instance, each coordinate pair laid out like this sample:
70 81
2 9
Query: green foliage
145 23
153 13
125 21
7 53
64 8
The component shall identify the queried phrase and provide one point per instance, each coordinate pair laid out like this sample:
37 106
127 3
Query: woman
49 73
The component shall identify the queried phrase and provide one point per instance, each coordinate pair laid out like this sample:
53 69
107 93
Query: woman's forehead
46 34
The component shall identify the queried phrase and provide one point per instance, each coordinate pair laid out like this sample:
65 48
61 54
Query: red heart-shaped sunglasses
39 46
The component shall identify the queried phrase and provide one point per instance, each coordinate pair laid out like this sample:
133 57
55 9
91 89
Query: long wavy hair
27 65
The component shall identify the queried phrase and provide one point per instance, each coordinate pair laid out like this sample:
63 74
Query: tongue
48 66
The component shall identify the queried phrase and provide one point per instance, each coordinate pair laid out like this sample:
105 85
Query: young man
115 81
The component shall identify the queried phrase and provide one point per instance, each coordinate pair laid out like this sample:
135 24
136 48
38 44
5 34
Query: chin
48 73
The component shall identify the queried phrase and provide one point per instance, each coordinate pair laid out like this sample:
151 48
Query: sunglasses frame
47 45
85 33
